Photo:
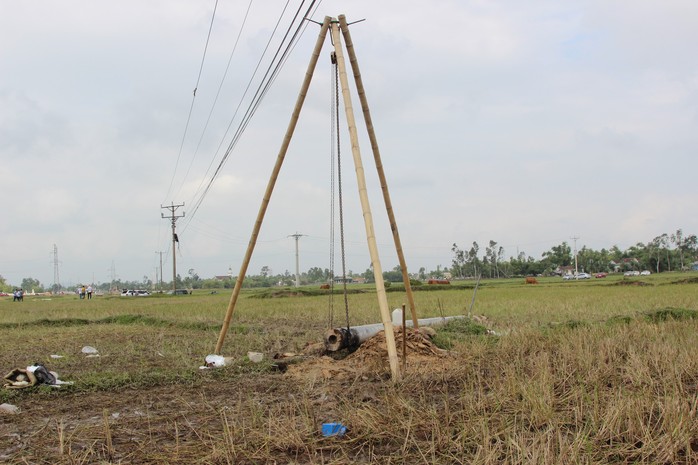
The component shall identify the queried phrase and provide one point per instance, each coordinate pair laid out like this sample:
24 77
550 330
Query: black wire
261 92
238 131
215 101
191 106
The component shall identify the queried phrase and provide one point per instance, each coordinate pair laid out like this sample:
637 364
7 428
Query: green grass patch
457 330
302 292
127 319
669 314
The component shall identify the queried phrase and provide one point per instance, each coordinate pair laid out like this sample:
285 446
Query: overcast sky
527 123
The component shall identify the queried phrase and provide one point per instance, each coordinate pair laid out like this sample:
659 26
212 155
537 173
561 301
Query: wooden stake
404 340
272 181
379 166
366 207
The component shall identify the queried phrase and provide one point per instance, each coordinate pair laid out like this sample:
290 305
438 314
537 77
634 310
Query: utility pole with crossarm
173 218
298 275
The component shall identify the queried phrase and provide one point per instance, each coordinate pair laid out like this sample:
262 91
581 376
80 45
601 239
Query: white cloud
522 123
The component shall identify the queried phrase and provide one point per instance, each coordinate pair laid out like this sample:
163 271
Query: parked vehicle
179 292
631 273
134 293
568 277
645 273
601 275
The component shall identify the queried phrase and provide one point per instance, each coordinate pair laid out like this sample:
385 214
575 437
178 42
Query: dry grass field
594 372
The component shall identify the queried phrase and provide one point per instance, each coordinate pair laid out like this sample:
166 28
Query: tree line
667 252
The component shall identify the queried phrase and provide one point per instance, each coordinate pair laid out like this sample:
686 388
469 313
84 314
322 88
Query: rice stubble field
602 371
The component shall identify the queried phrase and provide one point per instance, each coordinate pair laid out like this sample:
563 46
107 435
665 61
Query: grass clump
457 330
669 313
126 319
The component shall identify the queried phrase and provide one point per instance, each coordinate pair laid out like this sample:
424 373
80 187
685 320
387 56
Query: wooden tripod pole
272 181
379 165
366 207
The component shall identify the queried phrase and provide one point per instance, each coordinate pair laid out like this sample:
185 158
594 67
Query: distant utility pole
56 278
156 274
298 274
173 218
575 254
112 275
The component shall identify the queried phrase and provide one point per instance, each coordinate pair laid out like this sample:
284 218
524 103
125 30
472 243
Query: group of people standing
18 295
83 291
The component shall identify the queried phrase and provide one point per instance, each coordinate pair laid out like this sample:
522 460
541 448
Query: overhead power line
270 75
215 101
193 98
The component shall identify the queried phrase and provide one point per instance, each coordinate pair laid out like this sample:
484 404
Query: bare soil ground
555 400
194 422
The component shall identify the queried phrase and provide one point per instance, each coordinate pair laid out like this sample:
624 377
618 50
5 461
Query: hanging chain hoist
336 145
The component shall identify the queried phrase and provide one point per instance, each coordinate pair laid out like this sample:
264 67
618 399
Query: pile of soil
693 280
370 360
632 283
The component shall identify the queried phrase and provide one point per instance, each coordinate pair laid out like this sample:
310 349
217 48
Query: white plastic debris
216 361
60 383
255 357
56 356
9 409
90 351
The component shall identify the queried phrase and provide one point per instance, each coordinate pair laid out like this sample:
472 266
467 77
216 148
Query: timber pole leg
366 207
272 182
379 165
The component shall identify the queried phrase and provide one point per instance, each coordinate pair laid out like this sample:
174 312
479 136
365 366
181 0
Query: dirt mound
692 280
631 283
417 343
370 359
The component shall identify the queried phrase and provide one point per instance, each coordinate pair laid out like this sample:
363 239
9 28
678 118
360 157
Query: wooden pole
404 340
366 207
379 165
272 181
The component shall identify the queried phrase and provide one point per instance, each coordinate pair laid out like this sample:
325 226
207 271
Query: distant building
624 264
564 270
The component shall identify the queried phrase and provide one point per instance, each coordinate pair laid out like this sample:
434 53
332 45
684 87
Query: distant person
81 291
20 295
15 295
89 292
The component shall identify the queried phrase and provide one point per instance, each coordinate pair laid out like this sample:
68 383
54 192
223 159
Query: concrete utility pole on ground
173 218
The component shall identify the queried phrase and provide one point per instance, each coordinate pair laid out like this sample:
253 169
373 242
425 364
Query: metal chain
330 304
339 192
